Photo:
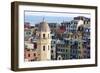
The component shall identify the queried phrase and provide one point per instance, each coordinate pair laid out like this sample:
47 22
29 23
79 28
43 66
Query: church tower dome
44 27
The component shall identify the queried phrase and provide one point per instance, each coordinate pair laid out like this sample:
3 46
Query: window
63 50
28 33
34 54
66 56
28 50
51 51
66 50
35 45
48 35
43 48
59 58
84 22
43 35
85 51
58 49
79 47
79 57
48 47
51 46
54 42
32 60
28 55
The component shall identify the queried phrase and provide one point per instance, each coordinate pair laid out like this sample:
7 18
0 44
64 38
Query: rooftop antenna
43 19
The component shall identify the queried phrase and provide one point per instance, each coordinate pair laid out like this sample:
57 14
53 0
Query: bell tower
44 41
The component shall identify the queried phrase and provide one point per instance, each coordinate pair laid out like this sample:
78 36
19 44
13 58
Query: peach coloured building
30 55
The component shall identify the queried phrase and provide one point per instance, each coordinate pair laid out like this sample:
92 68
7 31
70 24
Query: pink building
30 55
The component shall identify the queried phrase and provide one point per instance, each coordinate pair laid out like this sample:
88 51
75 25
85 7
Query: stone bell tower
44 41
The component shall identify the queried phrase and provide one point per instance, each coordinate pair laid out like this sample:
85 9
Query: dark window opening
43 35
28 50
51 51
35 45
59 58
34 54
43 48
28 55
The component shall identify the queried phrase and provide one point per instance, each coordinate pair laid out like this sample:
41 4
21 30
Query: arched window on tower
43 35
43 48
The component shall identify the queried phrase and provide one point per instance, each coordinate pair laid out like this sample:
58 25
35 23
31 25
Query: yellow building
44 42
